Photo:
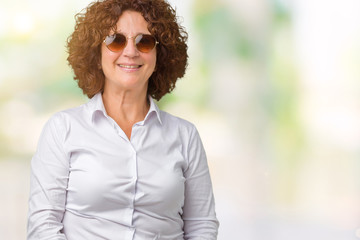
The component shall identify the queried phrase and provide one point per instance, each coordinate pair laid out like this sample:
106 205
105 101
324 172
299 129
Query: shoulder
70 114
170 119
62 120
174 123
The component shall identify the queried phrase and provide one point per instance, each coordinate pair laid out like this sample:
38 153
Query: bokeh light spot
23 23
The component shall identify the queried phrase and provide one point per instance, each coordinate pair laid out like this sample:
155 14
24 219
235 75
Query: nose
130 49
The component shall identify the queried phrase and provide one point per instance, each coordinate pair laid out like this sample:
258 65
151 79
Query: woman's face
128 69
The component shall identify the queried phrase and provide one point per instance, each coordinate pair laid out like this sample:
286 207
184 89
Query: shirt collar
96 106
153 108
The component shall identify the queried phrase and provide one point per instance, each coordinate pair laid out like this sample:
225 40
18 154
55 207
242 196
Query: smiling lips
129 66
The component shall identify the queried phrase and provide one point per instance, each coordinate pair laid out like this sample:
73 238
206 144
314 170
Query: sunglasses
143 42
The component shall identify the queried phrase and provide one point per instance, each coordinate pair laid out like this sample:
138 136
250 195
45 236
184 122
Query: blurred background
273 87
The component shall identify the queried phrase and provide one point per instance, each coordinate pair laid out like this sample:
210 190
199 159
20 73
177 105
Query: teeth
129 66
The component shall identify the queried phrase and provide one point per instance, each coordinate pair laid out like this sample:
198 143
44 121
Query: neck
126 108
126 105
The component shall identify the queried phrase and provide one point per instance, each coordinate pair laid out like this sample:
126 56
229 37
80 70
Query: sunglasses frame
110 38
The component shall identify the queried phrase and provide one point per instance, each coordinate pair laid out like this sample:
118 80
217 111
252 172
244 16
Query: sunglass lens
145 43
117 43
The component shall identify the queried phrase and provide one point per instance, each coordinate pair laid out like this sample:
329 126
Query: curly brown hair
95 22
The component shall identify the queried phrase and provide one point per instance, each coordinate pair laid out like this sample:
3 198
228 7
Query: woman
117 167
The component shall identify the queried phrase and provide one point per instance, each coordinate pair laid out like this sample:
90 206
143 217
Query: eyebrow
136 34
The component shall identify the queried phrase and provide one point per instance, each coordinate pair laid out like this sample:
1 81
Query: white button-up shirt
89 181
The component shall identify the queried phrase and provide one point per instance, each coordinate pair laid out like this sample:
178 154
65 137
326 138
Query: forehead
132 22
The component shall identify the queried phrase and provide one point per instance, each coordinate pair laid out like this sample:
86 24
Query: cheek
152 61
107 59
102 52
103 58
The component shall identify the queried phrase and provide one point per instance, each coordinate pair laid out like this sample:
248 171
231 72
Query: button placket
133 180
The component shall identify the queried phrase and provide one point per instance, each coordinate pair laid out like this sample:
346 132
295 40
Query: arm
199 216
48 183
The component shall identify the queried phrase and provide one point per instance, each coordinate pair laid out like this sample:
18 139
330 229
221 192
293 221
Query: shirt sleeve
199 216
48 183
